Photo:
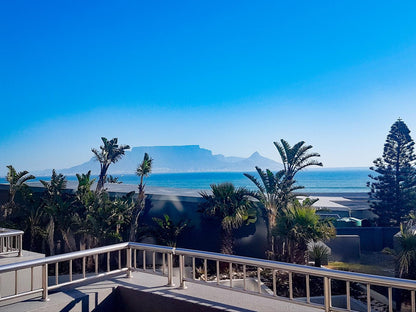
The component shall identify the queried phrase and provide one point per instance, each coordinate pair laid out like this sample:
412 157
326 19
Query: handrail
8 232
60 258
148 250
83 254
150 247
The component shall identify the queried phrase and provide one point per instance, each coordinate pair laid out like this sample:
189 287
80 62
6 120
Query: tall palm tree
110 153
56 207
296 158
232 207
84 199
17 180
143 170
275 191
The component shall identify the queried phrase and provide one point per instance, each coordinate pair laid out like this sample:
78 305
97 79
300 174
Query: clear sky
230 76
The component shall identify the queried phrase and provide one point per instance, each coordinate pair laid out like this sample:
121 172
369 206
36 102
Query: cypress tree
392 194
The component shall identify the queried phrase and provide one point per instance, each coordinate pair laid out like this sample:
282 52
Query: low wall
371 238
128 299
204 233
345 248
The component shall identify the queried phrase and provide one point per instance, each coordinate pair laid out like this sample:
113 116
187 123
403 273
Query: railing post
20 245
170 270
128 262
45 282
181 272
327 294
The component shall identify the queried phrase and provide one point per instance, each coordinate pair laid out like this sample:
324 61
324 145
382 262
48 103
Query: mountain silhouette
173 159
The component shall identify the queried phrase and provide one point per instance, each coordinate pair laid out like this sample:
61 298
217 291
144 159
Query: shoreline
125 188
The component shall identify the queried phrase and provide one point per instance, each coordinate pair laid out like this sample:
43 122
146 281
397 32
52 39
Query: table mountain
172 159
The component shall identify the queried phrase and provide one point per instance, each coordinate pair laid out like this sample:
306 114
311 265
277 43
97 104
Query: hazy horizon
231 77
45 172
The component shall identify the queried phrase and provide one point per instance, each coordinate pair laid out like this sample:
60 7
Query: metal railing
66 269
213 269
10 241
250 267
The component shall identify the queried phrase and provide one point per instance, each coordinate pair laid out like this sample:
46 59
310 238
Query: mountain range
173 159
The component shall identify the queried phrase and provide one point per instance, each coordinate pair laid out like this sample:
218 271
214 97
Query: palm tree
105 218
84 183
405 253
84 199
168 231
232 207
33 224
56 207
110 153
406 258
319 253
297 226
275 191
296 158
143 170
17 181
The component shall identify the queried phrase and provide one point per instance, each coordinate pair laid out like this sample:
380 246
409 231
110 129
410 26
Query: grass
375 263
356 267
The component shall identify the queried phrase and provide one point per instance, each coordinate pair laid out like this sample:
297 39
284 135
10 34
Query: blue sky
230 76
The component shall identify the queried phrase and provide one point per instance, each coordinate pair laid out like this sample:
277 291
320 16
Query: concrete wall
371 238
128 299
204 233
345 248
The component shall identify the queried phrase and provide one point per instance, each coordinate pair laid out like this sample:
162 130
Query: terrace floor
85 297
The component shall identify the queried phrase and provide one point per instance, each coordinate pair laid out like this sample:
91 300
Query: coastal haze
193 167
174 159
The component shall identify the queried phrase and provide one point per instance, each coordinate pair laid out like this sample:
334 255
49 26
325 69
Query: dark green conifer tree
392 194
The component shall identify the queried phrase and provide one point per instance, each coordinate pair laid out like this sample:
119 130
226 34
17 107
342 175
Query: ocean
314 181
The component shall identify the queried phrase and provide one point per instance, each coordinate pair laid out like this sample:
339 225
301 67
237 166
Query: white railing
10 241
257 267
211 269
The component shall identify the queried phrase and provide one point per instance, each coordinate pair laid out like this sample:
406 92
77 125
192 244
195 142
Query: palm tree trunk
50 239
271 223
137 212
227 241
101 179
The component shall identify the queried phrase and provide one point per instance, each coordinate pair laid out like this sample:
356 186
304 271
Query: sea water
314 181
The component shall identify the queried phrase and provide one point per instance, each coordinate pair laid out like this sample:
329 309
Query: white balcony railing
10 241
211 269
